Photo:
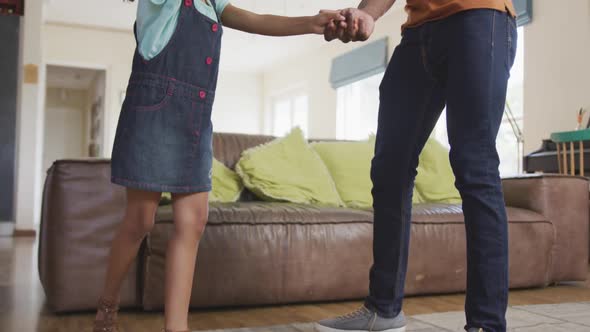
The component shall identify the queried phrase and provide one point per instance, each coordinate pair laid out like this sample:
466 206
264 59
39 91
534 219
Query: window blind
524 11
359 64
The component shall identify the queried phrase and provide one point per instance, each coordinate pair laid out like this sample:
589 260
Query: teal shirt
156 22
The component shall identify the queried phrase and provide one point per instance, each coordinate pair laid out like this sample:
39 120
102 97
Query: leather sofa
259 253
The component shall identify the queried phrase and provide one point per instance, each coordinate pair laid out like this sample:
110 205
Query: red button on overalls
188 3
209 60
202 94
215 27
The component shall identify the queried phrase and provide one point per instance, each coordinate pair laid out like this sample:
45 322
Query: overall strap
135 33
214 5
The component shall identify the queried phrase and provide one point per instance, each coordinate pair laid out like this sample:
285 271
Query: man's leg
411 102
480 56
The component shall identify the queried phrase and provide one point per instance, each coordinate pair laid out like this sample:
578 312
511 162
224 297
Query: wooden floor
22 302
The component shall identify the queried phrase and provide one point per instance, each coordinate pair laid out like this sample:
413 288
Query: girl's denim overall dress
163 141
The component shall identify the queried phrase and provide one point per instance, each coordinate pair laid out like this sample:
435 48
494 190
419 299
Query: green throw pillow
166 199
349 164
416 197
435 181
288 169
227 185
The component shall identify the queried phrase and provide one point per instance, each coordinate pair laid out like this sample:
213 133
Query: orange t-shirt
421 11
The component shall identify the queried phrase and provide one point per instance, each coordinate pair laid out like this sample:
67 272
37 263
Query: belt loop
171 88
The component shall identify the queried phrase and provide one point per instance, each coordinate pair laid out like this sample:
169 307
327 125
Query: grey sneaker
475 329
362 320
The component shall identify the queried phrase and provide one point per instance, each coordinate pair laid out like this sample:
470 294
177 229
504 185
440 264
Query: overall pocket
148 96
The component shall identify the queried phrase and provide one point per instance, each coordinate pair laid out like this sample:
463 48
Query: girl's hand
319 22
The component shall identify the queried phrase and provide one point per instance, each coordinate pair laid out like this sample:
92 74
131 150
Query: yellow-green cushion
226 185
288 169
349 164
435 181
166 199
416 197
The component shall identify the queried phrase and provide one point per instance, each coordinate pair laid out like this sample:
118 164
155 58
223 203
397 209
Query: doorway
74 114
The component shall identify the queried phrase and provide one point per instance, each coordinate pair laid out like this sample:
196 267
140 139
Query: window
289 111
508 143
358 108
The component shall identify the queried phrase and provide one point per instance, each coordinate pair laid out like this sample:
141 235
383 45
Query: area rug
570 317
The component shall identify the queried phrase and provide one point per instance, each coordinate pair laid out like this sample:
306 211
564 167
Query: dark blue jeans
462 62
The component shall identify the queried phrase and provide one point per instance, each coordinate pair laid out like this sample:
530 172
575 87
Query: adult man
456 53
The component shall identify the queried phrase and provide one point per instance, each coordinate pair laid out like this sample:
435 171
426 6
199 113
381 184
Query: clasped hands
358 25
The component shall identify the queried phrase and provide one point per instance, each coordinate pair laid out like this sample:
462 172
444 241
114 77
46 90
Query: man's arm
376 8
359 23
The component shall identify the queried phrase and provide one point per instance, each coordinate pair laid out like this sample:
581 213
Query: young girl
163 139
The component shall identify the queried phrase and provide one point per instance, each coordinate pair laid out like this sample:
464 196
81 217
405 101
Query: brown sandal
109 312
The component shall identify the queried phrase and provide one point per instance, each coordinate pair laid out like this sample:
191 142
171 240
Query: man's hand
358 26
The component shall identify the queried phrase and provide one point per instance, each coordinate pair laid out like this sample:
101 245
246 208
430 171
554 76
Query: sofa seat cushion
453 213
438 249
274 213
255 253
267 253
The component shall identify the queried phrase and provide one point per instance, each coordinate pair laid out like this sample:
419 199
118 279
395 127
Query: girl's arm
272 25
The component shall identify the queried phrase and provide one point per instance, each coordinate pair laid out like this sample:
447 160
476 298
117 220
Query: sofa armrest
81 212
564 201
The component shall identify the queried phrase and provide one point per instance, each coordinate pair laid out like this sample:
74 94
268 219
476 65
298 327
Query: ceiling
70 78
241 51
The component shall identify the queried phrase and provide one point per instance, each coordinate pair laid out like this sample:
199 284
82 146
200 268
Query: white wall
31 102
238 103
557 68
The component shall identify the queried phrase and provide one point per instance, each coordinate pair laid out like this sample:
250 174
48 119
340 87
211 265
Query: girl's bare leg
138 221
190 217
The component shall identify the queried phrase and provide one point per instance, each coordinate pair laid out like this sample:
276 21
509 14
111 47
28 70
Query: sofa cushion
438 249
227 185
267 253
288 170
435 180
255 253
453 213
273 213
349 164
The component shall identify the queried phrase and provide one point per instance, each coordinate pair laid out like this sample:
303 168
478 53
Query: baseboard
24 233
6 228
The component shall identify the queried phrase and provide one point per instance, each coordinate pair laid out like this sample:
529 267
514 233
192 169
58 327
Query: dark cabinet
9 35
